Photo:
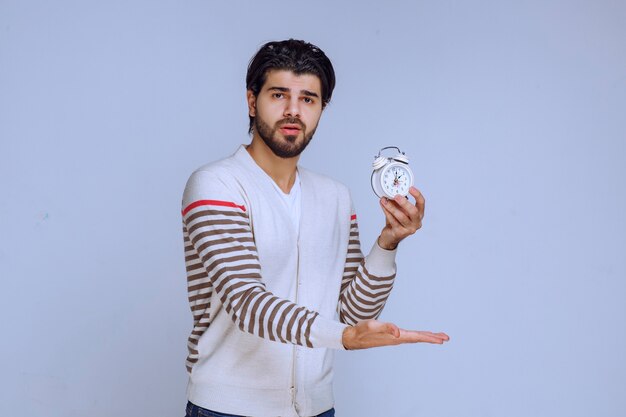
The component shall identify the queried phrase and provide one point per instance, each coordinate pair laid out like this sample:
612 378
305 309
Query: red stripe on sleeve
212 203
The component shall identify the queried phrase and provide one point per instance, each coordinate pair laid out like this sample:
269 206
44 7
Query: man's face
286 111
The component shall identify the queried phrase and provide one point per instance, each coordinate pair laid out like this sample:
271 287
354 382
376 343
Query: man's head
289 83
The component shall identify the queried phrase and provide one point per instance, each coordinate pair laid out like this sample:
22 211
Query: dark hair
297 56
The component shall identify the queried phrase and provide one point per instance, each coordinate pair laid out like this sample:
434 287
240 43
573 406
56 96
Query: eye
278 95
307 100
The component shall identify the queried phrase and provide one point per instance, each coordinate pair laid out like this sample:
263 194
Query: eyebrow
287 90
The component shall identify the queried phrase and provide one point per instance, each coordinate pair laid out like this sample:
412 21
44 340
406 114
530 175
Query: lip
291 127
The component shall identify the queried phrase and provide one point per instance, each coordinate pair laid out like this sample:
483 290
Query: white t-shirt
292 201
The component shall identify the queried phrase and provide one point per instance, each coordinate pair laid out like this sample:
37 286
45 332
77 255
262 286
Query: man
276 276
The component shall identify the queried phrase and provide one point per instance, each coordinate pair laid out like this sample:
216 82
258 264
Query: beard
289 147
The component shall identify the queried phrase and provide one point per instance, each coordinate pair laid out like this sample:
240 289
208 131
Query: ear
251 98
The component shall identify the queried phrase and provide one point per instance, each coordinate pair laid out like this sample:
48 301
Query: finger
443 336
439 335
412 336
420 201
412 221
411 211
407 206
389 216
392 329
395 211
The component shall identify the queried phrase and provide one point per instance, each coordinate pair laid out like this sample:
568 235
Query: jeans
195 411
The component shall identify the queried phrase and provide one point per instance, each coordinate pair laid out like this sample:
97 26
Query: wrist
386 244
347 336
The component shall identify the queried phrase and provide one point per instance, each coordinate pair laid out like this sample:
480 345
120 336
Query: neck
281 170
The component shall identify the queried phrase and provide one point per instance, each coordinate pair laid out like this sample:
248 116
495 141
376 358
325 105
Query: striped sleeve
222 262
366 282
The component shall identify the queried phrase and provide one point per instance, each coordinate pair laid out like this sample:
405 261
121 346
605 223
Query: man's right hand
373 333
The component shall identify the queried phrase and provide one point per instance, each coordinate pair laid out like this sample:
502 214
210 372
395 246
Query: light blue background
512 113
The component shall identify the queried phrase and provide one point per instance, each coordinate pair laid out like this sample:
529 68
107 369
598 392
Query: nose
292 108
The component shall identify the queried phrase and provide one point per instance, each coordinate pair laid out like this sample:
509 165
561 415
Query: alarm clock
391 175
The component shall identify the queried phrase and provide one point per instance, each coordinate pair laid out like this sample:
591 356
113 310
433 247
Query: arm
219 235
402 219
366 282
221 257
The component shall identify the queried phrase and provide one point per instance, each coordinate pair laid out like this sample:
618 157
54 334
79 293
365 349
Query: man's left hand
402 218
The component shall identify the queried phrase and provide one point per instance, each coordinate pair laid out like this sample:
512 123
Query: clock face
397 179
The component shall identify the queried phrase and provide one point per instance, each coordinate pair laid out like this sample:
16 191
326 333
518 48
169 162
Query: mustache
291 121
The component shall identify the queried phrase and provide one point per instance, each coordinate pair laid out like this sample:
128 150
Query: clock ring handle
389 147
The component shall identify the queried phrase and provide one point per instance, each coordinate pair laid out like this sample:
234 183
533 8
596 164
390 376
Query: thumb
392 329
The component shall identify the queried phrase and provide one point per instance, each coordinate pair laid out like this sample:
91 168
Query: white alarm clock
391 176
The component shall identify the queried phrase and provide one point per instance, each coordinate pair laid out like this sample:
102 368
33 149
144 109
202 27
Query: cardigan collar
306 189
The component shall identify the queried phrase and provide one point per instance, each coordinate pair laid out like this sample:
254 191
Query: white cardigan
267 302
